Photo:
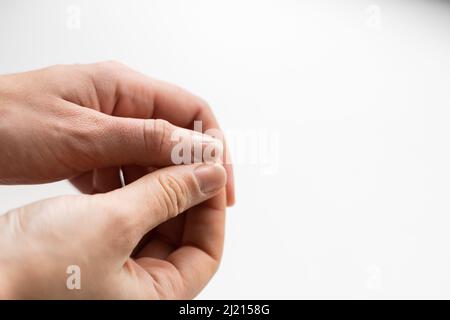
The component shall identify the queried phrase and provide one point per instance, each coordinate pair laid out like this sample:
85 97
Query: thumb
159 196
117 141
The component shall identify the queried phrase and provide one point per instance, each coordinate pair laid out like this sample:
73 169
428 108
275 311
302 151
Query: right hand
99 234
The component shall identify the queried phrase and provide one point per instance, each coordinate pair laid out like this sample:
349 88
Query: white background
355 203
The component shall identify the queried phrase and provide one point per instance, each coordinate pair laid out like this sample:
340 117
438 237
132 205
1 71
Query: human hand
100 234
85 122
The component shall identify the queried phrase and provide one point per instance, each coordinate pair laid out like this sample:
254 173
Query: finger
133 173
98 181
196 261
106 179
83 182
163 240
158 197
199 256
124 92
103 141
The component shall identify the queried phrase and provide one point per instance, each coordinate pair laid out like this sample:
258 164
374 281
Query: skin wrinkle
170 197
14 221
83 134
116 101
60 157
157 285
145 129
159 276
180 191
163 134
97 97
104 72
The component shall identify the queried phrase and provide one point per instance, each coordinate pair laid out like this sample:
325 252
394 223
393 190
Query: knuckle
61 70
57 68
156 134
16 222
83 134
174 195
108 68
110 64
202 105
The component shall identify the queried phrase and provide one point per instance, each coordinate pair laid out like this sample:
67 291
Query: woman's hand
102 236
86 123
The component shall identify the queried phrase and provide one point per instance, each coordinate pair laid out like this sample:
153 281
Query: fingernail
210 177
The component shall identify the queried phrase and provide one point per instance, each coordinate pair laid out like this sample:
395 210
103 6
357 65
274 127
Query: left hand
85 122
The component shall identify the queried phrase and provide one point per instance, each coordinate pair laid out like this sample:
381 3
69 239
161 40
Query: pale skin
158 237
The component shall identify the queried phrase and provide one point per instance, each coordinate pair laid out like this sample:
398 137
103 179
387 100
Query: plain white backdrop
340 113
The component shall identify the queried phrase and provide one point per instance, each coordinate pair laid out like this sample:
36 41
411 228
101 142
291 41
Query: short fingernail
210 177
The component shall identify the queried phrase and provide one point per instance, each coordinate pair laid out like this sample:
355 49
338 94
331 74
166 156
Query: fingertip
210 177
231 195
231 199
